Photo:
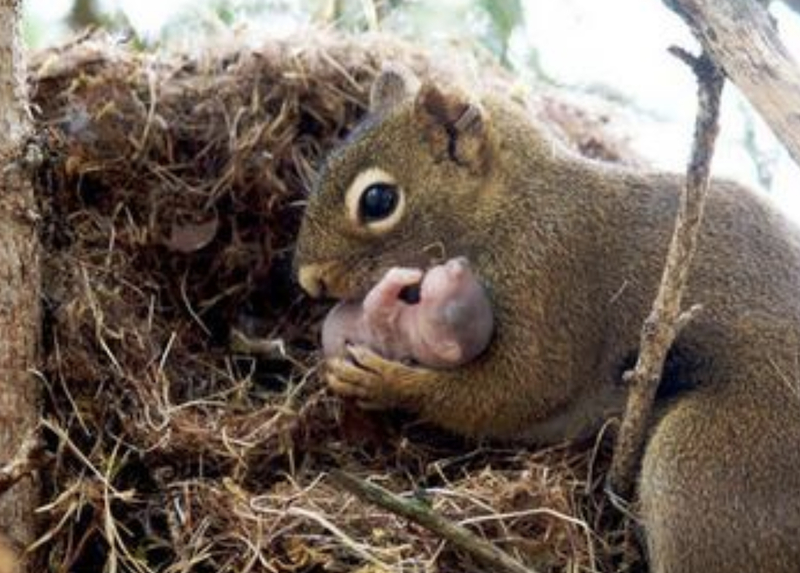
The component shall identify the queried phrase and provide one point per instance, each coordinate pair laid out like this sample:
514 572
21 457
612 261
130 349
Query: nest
187 426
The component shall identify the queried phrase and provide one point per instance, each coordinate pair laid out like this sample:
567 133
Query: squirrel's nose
310 278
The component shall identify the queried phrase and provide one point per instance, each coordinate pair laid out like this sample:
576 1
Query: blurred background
610 57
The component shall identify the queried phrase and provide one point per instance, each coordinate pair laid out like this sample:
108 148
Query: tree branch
740 36
15 119
24 463
20 313
421 514
666 319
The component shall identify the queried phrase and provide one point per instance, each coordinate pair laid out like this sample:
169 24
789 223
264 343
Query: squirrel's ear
393 85
454 127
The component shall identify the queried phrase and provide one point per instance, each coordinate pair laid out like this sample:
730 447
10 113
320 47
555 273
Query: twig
421 514
666 319
24 462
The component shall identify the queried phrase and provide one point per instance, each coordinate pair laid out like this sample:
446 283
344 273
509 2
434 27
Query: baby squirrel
572 252
449 325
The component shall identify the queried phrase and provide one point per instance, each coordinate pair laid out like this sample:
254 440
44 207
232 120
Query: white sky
148 15
613 46
623 45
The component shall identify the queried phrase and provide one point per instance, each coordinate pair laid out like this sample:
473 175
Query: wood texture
19 280
741 37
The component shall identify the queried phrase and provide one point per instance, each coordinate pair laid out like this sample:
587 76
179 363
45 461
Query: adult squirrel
571 252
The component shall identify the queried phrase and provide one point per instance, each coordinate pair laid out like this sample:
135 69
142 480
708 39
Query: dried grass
171 197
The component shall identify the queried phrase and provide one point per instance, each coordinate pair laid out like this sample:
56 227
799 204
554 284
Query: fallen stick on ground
421 514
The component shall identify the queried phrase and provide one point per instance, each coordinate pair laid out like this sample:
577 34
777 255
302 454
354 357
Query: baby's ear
395 84
449 351
455 127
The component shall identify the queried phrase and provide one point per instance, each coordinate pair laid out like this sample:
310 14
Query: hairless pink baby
450 325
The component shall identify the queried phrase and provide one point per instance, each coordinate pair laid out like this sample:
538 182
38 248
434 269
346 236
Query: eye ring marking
368 181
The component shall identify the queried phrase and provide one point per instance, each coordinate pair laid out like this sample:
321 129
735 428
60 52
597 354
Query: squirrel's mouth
338 281
330 281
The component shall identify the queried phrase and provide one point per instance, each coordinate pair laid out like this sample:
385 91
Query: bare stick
20 311
666 319
24 463
421 514
740 36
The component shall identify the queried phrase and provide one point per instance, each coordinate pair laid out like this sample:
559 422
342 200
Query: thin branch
418 512
666 319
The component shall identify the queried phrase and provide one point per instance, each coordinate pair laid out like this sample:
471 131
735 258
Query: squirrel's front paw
376 382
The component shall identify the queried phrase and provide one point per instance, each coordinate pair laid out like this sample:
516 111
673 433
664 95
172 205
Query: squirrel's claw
373 381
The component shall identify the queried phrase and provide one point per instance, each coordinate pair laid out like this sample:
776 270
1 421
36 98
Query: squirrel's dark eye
377 202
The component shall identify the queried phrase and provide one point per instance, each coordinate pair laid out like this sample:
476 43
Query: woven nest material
188 428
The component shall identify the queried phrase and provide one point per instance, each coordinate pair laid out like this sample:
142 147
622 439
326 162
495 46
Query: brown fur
571 252
10 554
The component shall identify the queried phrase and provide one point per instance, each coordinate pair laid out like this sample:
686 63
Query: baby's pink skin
450 325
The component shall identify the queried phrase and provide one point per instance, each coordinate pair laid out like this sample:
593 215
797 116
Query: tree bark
19 280
741 38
